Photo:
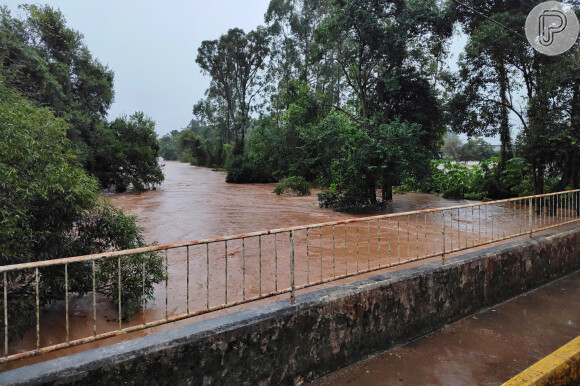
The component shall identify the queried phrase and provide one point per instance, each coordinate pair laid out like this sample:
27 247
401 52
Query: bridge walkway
487 348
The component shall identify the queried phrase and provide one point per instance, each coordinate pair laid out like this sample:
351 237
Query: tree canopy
376 69
49 64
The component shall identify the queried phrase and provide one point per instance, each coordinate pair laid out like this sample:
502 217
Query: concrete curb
562 367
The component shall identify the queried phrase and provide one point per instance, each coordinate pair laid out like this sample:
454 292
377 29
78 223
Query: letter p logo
552 28
551 23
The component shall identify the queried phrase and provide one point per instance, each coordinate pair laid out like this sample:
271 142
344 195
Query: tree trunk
504 128
387 191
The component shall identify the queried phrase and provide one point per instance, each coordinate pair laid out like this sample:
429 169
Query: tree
234 63
375 43
167 146
294 52
452 147
349 161
49 64
498 65
485 92
126 153
50 208
475 149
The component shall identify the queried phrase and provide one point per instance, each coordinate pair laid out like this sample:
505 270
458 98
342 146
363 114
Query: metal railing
213 274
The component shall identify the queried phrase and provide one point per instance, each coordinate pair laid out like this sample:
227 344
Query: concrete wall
325 330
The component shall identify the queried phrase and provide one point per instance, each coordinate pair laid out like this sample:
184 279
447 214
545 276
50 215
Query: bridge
230 271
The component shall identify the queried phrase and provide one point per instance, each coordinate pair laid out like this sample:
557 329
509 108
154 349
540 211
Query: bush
458 181
349 200
294 185
451 179
517 177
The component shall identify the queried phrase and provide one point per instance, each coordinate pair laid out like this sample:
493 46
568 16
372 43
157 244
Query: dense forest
356 97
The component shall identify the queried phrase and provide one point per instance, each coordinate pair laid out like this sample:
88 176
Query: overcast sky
151 46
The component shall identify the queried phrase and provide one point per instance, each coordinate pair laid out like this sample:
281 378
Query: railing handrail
164 247
527 214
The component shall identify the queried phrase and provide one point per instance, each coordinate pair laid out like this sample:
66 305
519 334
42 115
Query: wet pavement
487 348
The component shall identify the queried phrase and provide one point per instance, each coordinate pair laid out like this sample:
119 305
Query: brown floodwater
195 203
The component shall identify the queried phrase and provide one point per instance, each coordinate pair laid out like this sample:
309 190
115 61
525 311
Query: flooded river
195 203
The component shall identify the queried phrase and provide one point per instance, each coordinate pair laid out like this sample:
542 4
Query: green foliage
517 177
475 149
50 208
450 178
49 64
341 200
233 62
196 144
456 181
353 101
127 154
351 163
245 170
497 66
294 185
168 147
228 156
107 228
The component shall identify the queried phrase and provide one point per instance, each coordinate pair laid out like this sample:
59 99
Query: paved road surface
487 348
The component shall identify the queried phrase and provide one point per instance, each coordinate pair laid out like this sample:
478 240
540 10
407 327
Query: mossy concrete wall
325 330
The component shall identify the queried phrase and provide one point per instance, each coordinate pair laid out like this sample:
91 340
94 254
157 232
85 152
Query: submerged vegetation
294 185
356 96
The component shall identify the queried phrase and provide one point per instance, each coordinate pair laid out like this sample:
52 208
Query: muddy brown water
195 203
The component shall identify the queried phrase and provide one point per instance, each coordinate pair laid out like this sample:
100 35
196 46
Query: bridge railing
207 275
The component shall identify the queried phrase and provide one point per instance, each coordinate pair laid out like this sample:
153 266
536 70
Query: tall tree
488 81
48 63
374 41
234 62
295 55
499 65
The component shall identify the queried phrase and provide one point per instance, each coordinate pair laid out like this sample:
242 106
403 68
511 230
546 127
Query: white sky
151 46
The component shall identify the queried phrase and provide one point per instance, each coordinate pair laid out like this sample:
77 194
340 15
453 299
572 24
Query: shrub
349 200
294 185
50 208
